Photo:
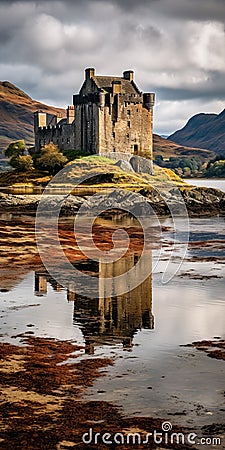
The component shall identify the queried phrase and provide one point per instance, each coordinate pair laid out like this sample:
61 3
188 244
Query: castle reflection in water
111 318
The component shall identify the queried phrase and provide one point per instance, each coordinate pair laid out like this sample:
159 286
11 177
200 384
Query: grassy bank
97 172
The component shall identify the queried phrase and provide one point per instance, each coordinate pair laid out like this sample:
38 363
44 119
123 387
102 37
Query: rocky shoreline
199 201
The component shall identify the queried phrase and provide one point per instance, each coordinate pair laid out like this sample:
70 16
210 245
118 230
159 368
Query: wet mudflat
41 399
70 363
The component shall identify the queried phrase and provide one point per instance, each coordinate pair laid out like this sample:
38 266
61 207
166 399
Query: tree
15 149
51 159
159 160
23 163
18 159
216 169
187 172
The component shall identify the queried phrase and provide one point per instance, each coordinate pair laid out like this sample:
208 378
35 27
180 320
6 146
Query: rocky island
20 193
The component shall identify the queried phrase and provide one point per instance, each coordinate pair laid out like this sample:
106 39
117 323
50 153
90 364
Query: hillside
16 114
204 131
167 149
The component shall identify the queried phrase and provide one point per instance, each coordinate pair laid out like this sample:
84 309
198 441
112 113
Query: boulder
141 165
124 165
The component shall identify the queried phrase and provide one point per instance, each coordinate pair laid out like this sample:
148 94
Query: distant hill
167 148
204 131
16 114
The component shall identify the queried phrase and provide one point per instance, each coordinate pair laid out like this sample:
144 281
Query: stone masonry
109 114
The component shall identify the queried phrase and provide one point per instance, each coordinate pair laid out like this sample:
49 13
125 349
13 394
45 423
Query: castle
112 318
110 114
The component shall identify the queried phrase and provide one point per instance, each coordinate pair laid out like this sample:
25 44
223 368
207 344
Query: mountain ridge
16 114
204 131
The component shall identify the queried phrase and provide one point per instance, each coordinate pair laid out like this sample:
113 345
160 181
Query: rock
141 165
201 200
124 165
198 201
50 203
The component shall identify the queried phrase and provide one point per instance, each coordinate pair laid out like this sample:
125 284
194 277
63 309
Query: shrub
23 163
15 149
51 159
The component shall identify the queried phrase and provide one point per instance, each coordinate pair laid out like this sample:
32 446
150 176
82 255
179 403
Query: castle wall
126 126
87 118
48 129
86 128
63 136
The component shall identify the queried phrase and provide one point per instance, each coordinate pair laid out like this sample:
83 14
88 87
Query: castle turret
89 73
40 119
148 100
101 100
70 114
128 75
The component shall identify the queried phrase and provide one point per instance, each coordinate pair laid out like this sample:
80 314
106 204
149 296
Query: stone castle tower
110 114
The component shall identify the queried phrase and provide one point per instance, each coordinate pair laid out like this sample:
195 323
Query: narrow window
135 149
128 112
128 123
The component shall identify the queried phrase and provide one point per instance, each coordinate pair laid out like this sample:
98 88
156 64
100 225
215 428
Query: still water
145 330
210 183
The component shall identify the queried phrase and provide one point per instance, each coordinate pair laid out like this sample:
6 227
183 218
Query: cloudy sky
175 47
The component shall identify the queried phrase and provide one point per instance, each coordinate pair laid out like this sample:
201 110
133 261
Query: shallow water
209 182
143 331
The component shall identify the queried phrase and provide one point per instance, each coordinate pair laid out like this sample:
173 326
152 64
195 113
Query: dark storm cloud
189 94
186 9
194 9
211 89
176 47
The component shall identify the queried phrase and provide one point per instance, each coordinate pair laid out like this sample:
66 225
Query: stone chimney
70 114
89 73
128 75
40 119
116 87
